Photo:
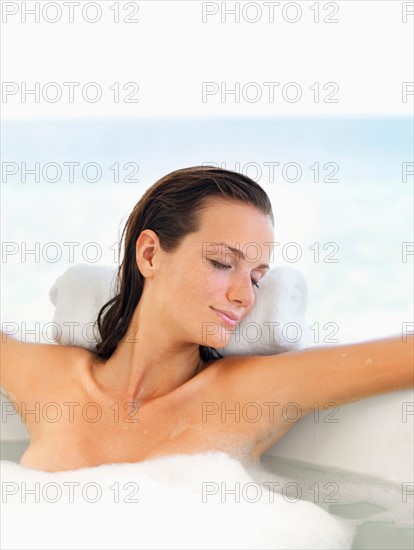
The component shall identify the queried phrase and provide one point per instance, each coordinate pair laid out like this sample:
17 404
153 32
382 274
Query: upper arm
25 367
323 375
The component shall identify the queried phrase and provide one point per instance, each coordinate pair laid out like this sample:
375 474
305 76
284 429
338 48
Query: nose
241 290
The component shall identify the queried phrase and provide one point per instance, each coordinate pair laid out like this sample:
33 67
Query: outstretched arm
340 373
347 373
337 374
27 369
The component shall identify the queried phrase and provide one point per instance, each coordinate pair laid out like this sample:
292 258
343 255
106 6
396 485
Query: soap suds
179 501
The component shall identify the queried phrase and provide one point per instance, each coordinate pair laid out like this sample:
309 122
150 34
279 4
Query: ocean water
342 210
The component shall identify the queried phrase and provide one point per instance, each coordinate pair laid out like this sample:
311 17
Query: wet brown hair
170 208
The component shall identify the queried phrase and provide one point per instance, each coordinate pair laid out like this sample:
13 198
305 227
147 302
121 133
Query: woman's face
203 275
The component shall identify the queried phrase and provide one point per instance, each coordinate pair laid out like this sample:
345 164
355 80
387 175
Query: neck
149 361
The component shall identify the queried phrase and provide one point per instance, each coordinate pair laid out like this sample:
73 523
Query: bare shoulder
36 370
239 367
331 375
234 404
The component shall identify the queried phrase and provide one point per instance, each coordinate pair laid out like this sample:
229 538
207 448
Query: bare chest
84 432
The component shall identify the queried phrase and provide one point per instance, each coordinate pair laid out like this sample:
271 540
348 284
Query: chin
218 341
216 334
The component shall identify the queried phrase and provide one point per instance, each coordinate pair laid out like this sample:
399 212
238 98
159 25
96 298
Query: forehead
234 221
232 224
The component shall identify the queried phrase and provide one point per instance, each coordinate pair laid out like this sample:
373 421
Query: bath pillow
277 323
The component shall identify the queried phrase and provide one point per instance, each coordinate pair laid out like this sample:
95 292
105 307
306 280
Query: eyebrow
238 252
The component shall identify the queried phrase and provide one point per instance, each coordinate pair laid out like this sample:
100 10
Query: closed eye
219 265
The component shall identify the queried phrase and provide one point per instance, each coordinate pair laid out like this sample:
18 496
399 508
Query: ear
147 250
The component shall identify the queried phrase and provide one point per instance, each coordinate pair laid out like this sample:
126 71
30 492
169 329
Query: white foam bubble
184 501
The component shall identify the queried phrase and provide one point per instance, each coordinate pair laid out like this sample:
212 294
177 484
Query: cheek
214 285
195 287
187 287
204 288
210 285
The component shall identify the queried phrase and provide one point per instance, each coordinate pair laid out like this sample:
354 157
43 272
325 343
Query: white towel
277 323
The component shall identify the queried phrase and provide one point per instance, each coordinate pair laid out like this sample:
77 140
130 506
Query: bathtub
355 462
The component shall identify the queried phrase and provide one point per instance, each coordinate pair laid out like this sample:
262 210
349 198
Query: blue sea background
368 213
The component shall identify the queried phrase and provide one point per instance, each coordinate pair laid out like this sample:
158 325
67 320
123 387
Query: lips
228 316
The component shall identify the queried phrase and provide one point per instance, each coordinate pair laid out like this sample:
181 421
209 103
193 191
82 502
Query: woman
156 386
